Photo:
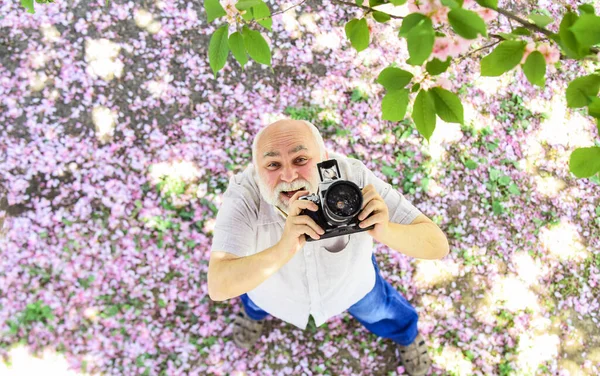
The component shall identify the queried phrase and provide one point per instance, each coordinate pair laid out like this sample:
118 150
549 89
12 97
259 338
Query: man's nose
289 174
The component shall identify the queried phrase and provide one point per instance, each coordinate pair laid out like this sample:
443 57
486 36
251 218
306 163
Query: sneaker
246 331
414 357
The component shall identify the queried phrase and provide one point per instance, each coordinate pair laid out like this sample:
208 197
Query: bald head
285 156
282 129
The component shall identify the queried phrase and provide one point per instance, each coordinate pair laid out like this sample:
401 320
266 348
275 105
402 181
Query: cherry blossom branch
508 14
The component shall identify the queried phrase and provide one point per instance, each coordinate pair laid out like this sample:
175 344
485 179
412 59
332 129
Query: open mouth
289 194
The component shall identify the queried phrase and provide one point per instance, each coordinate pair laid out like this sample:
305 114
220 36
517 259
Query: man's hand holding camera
375 208
296 225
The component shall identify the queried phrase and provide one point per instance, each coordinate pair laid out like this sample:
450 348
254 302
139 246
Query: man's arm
421 239
230 276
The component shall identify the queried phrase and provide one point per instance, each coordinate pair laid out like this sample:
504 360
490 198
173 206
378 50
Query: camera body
339 203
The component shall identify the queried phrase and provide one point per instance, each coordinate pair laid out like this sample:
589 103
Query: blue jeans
383 311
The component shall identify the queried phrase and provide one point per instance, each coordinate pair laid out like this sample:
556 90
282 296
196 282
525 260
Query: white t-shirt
315 281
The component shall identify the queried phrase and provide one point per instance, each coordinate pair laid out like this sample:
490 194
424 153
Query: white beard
274 197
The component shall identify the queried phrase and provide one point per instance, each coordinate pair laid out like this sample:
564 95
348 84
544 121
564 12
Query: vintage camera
339 203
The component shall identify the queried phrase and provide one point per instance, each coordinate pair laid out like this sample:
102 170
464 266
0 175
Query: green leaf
424 114
493 4
436 66
113 310
394 105
497 207
447 105
508 36
389 171
567 39
420 39
494 174
218 49
491 146
214 10
521 31
394 78
415 88
586 9
535 68
381 17
236 45
398 2
247 15
247 4
357 32
452 4
585 162
409 22
581 89
505 57
541 20
467 23
261 11
594 108
162 303
504 180
514 189
28 4
471 164
587 30
256 46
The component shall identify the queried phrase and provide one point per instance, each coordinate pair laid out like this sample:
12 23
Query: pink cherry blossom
421 6
551 53
444 83
529 48
441 48
440 15
488 14
459 46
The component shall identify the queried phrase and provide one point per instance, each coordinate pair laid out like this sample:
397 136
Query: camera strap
283 214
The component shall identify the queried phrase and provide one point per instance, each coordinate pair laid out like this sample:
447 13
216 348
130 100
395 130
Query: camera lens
343 200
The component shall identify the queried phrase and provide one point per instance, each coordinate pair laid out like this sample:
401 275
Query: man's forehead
276 153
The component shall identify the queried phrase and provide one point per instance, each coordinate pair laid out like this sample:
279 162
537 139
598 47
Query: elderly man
259 250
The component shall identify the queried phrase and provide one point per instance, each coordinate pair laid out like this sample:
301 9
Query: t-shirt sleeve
400 209
234 230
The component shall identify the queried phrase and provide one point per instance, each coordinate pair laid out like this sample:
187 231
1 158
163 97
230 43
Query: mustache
297 184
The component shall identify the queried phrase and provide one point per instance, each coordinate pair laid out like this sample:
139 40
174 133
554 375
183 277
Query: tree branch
532 26
279 12
368 9
527 24
479 49
285 10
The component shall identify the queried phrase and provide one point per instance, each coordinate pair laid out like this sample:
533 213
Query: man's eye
301 159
